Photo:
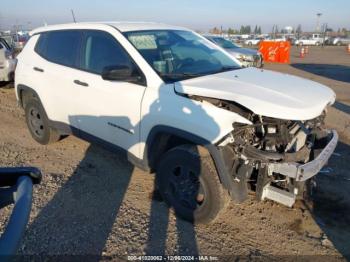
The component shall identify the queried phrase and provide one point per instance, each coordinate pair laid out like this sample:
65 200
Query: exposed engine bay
266 157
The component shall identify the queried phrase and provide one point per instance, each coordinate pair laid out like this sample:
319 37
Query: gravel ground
94 204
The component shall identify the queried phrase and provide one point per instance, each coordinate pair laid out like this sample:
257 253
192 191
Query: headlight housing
241 57
247 58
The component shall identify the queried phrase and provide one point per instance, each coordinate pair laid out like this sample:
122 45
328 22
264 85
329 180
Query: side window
101 50
40 46
61 47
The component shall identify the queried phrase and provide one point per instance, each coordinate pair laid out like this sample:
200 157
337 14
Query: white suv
181 107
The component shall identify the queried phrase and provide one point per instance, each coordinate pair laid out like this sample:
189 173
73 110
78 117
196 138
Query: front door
108 110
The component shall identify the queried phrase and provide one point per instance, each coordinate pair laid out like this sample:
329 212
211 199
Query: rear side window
40 46
61 47
102 50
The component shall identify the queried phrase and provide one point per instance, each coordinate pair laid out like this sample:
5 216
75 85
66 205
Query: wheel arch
162 138
22 90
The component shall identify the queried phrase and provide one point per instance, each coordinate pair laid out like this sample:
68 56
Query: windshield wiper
180 76
228 68
186 75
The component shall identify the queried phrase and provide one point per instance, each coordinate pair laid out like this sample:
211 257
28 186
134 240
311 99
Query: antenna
73 15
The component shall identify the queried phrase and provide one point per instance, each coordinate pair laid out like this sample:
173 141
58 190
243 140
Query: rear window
61 47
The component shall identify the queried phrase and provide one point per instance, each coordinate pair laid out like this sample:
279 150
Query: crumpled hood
264 92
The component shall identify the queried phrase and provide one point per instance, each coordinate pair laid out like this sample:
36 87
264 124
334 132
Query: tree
215 31
245 30
256 30
259 30
242 30
230 31
249 30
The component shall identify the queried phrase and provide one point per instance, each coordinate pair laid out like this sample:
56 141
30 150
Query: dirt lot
93 202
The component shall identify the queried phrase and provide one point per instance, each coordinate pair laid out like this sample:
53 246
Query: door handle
38 69
80 83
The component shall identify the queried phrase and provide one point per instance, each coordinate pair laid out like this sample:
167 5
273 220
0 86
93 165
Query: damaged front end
274 157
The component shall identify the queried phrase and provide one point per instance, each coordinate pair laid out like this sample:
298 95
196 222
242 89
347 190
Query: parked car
253 41
20 41
315 39
9 40
247 57
276 39
341 41
236 39
16 187
7 62
179 106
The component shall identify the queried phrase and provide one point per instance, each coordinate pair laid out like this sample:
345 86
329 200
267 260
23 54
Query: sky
194 14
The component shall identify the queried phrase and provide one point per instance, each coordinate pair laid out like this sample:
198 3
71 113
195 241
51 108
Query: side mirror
119 73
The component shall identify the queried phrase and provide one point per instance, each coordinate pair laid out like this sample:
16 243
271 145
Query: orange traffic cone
302 52
348 48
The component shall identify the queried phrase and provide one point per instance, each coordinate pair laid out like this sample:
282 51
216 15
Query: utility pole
274 29
73 15
0 22
17 37
318 22
324 31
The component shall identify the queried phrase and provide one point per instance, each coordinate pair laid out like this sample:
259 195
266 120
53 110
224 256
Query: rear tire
188 182
38 123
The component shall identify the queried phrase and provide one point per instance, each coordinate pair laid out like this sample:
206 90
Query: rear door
108 110
55 71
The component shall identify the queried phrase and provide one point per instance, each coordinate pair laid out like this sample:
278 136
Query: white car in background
179 106
7 62
254 41
340 41
315 39
247 56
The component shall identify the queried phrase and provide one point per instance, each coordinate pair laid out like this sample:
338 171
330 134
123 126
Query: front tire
188 182
38 123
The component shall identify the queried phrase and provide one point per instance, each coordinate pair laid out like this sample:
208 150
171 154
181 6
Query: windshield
224 43
177 55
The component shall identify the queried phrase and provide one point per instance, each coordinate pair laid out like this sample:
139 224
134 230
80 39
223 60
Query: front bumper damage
298 172
278 176
303 172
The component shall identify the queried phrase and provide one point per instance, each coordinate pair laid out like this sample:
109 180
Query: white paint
103 106
264 92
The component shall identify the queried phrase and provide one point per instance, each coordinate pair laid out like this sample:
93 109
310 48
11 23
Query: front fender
220 156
